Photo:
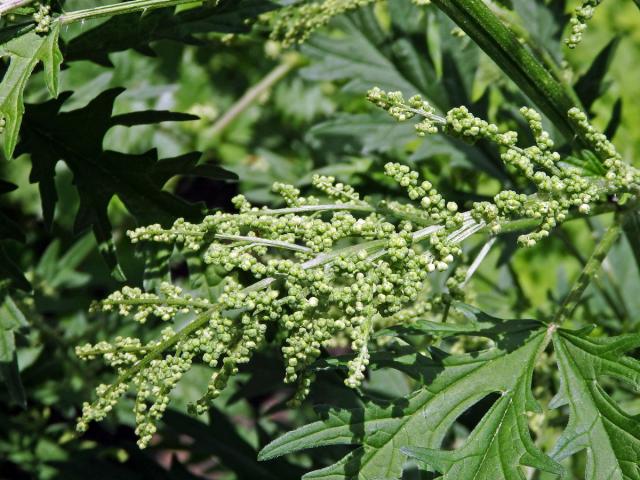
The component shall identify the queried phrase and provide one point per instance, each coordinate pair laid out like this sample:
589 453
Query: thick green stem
589 271
119 9
504 47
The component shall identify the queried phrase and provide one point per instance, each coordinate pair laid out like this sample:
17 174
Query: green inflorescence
578 22
560 187
294 23
332 268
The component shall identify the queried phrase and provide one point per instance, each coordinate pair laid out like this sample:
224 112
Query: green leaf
123 32
11 275
423 419
25 51
364 55
632 231
610 436
11 320
499 446
8 228
591 86
50 135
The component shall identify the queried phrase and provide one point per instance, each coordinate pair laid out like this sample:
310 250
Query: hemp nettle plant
442 256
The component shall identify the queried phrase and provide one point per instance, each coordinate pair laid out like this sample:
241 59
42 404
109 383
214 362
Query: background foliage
111 152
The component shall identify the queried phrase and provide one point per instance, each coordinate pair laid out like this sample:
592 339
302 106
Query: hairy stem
119 9
589 271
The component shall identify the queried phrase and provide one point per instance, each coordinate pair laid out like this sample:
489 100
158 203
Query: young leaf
25 51
597 424
423 419
50 135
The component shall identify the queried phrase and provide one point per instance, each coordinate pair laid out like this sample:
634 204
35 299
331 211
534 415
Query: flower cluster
333 267
43 18
294 23
579 19
320 271
401 110
561 187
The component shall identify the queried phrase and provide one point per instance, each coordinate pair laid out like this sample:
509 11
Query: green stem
590 270
553 97
119 9
9 5
251 95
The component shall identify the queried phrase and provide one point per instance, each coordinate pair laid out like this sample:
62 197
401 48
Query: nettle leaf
137 179
365 55
11 320
610 436
387 433
25 51
123 32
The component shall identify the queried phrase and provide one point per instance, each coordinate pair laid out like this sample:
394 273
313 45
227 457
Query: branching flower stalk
334 267
578 22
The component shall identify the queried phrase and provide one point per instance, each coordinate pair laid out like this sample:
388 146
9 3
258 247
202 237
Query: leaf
365 56
11 275
610 436
542 24
223 441
25 51
11 320
615 120
499 446
123 32
50 135
423 419
632 232
361 134
590 86
8 228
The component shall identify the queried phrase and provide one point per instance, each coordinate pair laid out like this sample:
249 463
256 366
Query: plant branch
589 271
254 93
119 9
8 5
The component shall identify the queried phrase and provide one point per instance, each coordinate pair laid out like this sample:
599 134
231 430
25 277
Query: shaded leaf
221 439
591 86
25 51
423 418
50 135
123 32
11 320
